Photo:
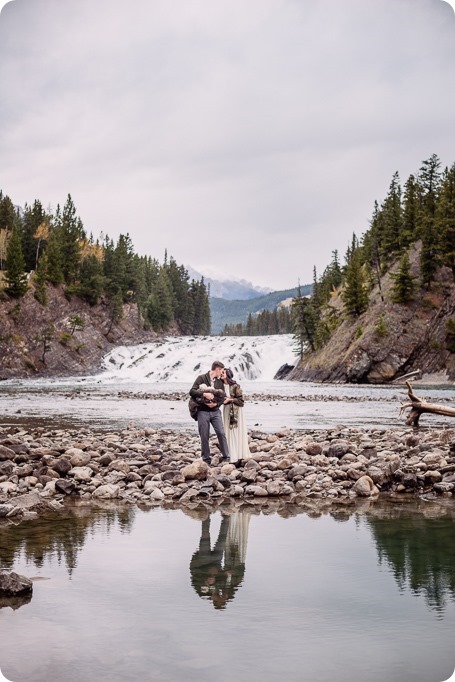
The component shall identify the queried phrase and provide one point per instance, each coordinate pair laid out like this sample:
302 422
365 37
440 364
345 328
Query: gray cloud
250 137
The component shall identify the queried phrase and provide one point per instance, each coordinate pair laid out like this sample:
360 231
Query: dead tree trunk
419 406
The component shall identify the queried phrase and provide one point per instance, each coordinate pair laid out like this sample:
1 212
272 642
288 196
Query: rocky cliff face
388 340
37 340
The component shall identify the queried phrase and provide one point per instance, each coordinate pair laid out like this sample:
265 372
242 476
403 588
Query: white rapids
179 359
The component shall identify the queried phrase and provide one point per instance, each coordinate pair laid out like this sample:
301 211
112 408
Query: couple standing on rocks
209 391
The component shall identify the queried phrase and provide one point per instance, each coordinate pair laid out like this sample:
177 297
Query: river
135 384
349 594
359 592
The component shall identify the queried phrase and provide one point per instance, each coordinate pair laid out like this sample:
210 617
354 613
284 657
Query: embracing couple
209 392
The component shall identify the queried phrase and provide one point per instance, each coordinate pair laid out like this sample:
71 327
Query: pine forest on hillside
422 214
42 249
277 321
262 315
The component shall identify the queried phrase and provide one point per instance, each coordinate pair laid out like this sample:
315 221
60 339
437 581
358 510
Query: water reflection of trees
59 535
420 552
415 538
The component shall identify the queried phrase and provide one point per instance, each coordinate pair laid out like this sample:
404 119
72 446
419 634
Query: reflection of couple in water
217 573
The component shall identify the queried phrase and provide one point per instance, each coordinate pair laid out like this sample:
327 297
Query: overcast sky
248 138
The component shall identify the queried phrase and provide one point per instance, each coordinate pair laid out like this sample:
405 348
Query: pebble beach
42 468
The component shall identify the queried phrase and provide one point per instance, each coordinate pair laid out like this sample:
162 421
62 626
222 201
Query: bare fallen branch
407 376
418 407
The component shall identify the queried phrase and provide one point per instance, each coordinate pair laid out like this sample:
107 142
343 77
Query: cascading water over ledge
179 359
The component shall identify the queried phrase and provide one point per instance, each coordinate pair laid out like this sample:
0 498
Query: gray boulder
14 585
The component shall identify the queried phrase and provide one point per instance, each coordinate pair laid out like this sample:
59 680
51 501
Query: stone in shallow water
364 486
5 509
13 585
108 491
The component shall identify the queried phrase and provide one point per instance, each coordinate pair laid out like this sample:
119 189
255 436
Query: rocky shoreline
42 468
181 396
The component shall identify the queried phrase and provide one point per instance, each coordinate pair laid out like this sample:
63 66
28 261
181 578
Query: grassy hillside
231 312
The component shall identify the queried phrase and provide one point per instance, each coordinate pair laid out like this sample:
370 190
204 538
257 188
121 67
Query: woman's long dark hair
229 376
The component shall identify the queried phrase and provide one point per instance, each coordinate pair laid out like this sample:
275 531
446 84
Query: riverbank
40 468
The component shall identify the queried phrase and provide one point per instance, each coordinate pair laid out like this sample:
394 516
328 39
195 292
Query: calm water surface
357 594
88 402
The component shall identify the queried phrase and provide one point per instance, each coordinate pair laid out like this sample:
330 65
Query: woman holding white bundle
234 419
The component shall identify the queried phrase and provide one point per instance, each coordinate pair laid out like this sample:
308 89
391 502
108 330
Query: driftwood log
402 379
417 407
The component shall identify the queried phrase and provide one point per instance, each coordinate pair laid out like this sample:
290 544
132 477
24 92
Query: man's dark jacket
196 394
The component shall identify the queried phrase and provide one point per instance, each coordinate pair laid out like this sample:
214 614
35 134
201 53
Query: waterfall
177 359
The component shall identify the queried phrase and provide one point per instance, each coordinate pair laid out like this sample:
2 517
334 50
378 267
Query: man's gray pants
204 419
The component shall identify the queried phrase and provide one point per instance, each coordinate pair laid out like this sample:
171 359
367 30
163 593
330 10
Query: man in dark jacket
208 392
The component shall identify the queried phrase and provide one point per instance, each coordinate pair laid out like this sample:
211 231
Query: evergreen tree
202 322
284 319
197 319
115 310
181 301
304 322
76 323
272 322
429 180
355 294
320 293
330 280
132 279
249 331
429 256
351 250
91 281
151 271
202 318
140 285
371 240
335 273
429 183
159 305
57 248
371 246
410 212
404 282
277 321
108 262
392 219
54 258
445 219
15 276
7 214
71 234
119 268
34 218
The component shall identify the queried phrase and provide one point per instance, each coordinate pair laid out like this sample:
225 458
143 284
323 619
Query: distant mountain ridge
231 301
231 312
230 289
